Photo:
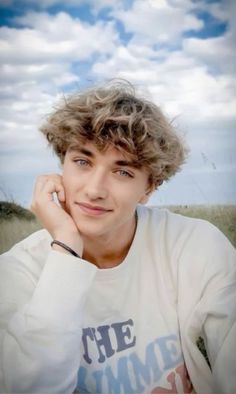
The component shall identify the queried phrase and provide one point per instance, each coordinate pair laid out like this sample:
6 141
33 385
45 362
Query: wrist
59 249
73 243
65 248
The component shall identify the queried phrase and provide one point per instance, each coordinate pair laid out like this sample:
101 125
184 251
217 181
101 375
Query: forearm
40 344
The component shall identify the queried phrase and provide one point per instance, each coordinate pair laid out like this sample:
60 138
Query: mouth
93 210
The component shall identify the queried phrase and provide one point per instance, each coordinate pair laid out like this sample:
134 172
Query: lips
92 209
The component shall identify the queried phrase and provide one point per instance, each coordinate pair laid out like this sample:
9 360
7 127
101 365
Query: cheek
68 185
72 187
133 198
141 192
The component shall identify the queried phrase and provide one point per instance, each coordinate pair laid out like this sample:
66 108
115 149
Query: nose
97 185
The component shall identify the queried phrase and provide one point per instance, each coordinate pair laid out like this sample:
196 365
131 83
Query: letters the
124 337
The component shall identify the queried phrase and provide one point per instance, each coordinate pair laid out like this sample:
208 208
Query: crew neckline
132 256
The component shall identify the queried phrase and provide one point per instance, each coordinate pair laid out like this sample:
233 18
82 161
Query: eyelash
85 163
124 173
81 162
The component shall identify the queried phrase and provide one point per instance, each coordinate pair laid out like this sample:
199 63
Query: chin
89 229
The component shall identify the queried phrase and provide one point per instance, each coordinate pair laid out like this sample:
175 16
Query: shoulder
187 241
175 228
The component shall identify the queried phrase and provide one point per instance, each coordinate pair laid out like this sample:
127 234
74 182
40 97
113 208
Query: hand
53 216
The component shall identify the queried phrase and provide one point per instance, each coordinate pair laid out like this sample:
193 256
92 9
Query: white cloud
218 53
49 38
192 78
179 82
221 10
36 65
195 82
56 73
20 117
157 21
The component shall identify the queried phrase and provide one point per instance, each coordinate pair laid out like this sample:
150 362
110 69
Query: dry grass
14 230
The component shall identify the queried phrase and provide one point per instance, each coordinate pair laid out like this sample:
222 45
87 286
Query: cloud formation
179 53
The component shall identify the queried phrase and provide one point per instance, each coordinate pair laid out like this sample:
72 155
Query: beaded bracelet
66 247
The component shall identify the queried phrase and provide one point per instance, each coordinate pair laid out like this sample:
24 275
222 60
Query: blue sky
178 53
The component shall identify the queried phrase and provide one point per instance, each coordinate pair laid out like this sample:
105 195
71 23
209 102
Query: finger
44 188
42 180
39 184
61 195
49 189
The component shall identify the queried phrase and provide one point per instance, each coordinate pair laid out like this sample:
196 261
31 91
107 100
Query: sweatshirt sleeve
40 339
207 308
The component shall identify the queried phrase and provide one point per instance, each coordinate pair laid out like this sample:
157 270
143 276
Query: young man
112 296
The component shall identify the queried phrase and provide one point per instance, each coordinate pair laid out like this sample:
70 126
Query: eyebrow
128 163
122 163
85 152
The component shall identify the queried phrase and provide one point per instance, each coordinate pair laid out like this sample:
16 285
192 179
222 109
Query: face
102 190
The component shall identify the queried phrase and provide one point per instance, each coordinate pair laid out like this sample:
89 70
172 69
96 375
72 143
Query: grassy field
17 223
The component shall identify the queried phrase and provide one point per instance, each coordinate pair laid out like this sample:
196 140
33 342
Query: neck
109 252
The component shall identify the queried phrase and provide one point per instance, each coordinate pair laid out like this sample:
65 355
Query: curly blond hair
114 115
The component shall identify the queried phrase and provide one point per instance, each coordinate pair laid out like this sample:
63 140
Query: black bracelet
66 247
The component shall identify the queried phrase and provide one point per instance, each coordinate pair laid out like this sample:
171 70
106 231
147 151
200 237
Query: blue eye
81 162
124 173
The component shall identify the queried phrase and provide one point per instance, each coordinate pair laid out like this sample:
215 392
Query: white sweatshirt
67 325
